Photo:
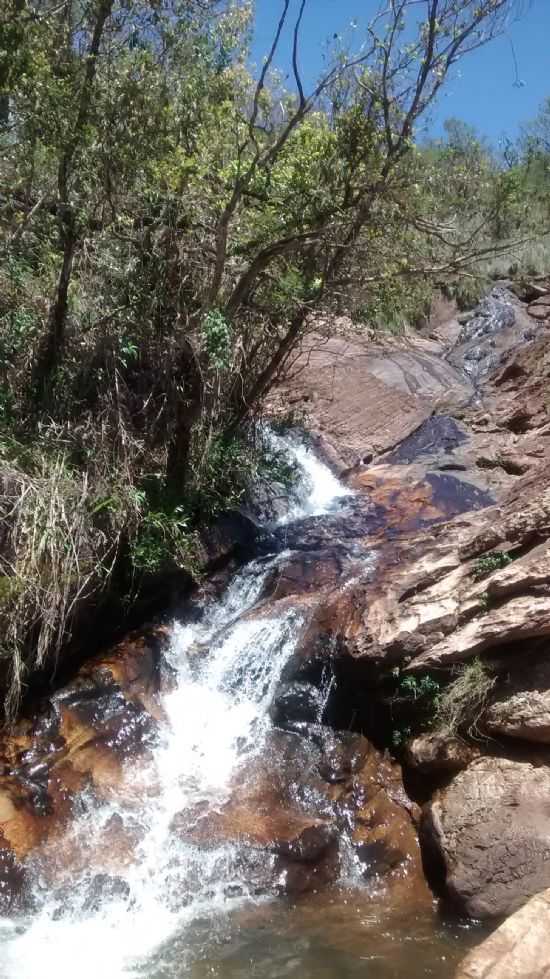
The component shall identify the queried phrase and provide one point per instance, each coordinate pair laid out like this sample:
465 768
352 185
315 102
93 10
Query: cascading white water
227 667
317 489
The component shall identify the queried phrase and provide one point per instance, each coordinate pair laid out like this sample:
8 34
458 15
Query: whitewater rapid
226 668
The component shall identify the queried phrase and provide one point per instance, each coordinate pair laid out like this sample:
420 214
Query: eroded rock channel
265 766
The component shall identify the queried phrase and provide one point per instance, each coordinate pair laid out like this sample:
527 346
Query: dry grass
59 541
463 701
530 259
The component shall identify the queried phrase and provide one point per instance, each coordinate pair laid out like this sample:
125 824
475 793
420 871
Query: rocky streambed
260 782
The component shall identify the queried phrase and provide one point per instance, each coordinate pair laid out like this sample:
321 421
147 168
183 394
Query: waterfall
226 668
316 490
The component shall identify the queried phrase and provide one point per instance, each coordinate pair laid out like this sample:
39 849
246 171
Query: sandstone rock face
437 752
521 708
491 829
519 949
362 398
439 597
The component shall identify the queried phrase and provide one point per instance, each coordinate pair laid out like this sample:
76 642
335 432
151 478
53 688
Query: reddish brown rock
79 739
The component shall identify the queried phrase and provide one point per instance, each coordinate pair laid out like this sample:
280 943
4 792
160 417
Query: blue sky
484 93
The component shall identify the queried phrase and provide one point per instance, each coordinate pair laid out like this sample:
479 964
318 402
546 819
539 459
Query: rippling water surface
179 910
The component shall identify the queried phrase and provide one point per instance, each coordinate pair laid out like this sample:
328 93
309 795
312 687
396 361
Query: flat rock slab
519 949
491 829
437 436
522 617
362 398
409 498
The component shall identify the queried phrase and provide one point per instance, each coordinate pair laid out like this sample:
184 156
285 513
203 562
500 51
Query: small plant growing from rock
485 566
461 704
484 603
400 735
419 688
423 692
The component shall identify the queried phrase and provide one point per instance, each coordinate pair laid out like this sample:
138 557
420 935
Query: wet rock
487 334
438 752
307 845
491 830
308 572
409 498
343 754
296 702
295 878
437 436
380 825
14 884
80 739
234 533
278 803
102 889
519 949
339 537
378 858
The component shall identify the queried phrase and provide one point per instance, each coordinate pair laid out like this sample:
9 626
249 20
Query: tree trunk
50 354
189 395
264 380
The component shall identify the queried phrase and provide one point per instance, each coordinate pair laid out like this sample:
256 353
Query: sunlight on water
317 490
227 667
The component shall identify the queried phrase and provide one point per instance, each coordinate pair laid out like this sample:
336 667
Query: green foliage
230 468
400 735
17 330
170 231
217 337
485 565
163 538
419 688
417 694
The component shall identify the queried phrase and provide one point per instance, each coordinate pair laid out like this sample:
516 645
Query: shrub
485 566
462 702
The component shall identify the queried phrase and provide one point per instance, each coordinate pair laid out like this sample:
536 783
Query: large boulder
521 707
519 949
79 739
490 829
438 752
312 804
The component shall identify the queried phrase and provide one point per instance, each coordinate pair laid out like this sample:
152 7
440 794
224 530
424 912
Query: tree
172 224
372 101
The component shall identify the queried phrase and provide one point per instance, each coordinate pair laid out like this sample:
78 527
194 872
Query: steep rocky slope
441 558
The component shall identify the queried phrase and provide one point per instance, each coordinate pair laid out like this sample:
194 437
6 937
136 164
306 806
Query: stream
177 908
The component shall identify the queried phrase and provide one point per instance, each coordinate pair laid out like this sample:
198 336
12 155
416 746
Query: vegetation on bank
450 705
172 221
